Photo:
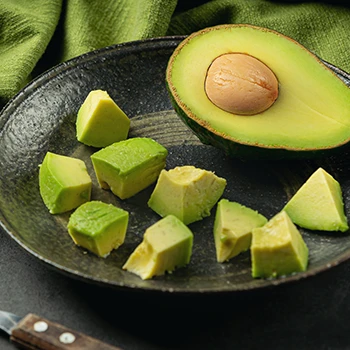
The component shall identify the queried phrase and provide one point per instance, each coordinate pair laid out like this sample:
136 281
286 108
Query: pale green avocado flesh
100 121
99 227
318 204
166 246
233 227
278 248
187 192
129 166
310 114
64 183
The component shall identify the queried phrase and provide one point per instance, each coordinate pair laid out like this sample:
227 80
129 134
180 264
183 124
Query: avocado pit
241 84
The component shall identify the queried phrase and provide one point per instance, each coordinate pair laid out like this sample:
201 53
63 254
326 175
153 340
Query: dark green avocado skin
243 151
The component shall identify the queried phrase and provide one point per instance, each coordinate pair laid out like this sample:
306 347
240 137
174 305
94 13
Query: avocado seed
241 84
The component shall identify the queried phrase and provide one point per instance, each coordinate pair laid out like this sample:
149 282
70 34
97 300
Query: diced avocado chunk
318 204
166 245
233 227
278 248
64 182
187 192
98 227
100 121
129 166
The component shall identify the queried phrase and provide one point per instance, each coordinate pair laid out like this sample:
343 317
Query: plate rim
150 43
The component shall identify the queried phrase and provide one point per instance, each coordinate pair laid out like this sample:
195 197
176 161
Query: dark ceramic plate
42 117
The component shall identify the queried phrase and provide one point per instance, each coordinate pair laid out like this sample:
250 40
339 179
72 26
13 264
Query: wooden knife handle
34 332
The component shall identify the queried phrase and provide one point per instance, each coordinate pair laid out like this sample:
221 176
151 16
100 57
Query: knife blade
37 333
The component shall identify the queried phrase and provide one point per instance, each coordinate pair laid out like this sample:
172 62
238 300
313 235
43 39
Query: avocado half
310 115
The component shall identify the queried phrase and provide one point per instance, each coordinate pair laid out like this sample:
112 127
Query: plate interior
42 118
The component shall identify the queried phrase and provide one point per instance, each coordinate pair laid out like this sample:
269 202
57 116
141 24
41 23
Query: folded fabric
25 33
321 27
38 34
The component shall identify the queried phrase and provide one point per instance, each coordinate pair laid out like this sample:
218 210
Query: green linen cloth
38 34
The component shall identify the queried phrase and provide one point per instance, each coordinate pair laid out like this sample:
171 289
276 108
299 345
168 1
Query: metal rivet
40 326
67 338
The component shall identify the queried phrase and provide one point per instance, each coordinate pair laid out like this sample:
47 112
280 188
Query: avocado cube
233 227
129 166
187 192
318 204
100 121
166 245
278 248
64 182
99 227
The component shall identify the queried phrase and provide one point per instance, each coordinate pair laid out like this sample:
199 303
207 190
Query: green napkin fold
25 32
38 34
323 28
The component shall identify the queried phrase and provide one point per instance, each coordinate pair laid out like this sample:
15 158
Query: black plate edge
157 42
